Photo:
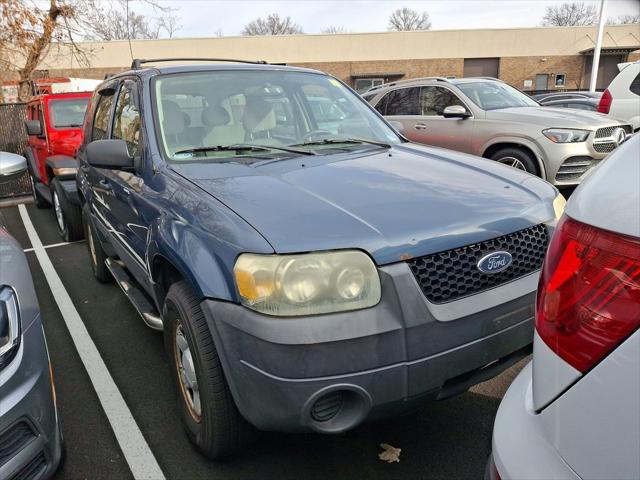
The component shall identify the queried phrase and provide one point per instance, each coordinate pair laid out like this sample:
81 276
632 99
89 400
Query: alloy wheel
513 162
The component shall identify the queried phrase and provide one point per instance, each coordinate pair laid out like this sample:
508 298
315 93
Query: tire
68 215
216 428
97 256
513 155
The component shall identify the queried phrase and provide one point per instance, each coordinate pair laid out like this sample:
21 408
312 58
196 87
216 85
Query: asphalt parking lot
446 440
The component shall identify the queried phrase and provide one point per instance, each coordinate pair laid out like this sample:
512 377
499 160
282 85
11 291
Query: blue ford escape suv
310 268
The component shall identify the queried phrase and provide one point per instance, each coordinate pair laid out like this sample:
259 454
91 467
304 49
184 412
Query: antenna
128 31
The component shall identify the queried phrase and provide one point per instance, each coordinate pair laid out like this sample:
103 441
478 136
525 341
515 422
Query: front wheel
209 414
68 215
516 158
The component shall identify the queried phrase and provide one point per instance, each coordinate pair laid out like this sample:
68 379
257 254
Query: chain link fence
13 139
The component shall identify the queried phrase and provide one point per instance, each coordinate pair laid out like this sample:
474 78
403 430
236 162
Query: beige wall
360 47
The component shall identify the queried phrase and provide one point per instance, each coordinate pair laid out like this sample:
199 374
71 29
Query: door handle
420 126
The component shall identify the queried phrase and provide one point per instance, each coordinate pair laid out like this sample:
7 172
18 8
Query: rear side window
68 113
101 118
404 101
126 123
635 85
433 100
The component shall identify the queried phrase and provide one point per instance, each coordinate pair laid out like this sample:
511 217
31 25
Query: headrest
173 121
215 116
258 115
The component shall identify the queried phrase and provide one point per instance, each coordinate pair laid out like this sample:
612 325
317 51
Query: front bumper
29 429
521 448
569 163
329 373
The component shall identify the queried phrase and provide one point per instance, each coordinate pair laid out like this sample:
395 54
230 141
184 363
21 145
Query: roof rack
138 62
489 78
409 80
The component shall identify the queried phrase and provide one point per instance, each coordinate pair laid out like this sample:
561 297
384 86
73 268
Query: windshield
68 113
495 95
261 108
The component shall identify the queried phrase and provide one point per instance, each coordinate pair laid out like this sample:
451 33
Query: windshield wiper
334 141
241 147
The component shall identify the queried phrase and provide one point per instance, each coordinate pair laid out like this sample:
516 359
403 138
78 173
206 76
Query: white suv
621 100
574 412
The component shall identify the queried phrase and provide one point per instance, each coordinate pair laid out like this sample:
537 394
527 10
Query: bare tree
627 19
570 14
333 29
29 28
405 19
169 24
271 25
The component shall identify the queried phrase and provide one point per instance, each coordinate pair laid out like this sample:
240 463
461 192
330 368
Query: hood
395 204
552 117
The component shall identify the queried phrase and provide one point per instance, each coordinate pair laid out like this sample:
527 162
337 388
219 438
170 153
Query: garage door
481 67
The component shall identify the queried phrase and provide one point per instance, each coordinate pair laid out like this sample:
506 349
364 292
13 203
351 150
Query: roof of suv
206 67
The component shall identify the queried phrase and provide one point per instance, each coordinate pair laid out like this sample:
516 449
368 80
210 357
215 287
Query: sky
200 18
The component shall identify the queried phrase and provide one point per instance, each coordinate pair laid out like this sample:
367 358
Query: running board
44 191
135 294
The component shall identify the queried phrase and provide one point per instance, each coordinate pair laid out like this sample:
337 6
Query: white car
621 100
574 411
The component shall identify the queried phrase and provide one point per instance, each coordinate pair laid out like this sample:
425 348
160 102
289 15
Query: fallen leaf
389 454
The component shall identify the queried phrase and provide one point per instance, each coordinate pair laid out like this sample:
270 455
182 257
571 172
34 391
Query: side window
126 124
101 118
433 100
404 101
635 85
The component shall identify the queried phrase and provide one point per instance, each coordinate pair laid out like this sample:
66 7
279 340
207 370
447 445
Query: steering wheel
314 135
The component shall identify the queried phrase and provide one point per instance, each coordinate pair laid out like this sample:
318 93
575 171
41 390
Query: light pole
596 51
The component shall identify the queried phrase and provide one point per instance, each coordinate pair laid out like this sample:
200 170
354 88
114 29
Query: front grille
605 147
32 470
605 132
451 275
575 167
15 185
15 439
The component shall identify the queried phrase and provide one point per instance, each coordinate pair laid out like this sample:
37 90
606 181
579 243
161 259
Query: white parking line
53 245
136 451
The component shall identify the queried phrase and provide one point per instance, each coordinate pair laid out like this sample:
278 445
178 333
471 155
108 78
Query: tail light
605 102
589 293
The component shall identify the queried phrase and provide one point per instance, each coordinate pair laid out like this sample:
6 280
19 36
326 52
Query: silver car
30 438
488 118
574 411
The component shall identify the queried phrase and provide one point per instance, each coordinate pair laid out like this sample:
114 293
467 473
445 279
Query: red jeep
54 125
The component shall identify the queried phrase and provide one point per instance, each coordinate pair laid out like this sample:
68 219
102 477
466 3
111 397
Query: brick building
531 59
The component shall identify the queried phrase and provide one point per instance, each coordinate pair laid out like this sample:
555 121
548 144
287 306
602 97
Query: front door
38 144
542 81
420 111
126 186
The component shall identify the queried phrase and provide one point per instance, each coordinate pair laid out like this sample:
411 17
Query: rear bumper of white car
521 448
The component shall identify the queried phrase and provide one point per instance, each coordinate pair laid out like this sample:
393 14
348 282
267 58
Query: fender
178 244
524 141
33 166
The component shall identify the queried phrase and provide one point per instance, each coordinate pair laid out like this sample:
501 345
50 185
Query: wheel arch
519 143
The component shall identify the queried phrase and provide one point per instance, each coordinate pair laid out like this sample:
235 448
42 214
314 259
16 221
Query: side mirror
455 111
34 127
110 154
11 164
397 126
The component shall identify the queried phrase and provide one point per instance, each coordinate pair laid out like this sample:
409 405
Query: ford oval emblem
495 262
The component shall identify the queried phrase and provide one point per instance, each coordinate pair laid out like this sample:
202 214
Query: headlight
558 205
9 324
307 284
566 135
